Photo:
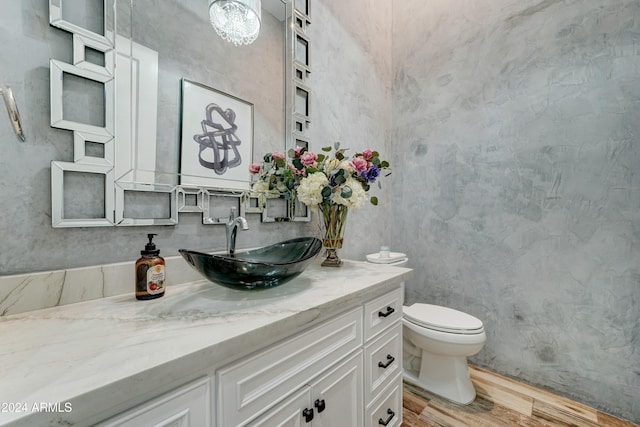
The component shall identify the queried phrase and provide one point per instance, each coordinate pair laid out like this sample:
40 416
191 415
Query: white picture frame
216 146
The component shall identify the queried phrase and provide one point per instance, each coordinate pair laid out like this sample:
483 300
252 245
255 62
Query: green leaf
375 154
267 157
321 157
339 156
291 153
297 163
339 176
326 192
346 192
327 149
384 164
376 161
280 163
336 145
374 201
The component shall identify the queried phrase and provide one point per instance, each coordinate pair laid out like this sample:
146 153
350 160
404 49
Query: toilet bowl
436 343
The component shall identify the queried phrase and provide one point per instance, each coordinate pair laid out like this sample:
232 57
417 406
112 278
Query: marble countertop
95 357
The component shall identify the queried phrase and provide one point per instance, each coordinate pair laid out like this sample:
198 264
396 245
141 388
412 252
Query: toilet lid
442 319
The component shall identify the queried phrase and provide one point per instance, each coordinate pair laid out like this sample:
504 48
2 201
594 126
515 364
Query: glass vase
334 217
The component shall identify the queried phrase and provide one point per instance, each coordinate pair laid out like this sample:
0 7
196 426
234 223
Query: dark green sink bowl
259 268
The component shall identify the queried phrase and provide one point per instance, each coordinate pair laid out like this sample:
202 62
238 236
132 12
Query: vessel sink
258 268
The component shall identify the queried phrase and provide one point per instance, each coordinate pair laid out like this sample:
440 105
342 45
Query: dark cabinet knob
307 414
319 404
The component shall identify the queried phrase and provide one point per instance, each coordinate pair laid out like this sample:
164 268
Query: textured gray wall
517 185
28 42
351 82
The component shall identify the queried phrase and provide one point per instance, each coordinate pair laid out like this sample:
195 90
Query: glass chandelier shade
236 21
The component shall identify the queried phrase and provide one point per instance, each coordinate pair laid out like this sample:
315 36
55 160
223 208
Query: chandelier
236 21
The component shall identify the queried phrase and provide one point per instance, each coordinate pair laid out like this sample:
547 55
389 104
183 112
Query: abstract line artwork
219 134
217 138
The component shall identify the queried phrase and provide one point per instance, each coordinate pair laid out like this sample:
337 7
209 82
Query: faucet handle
232 213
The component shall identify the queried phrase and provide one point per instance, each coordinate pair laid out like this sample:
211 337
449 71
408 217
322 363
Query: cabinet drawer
287 413
382 312
247 388
387 410
382 361
188 406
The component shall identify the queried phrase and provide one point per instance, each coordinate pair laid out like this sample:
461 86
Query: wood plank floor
501 402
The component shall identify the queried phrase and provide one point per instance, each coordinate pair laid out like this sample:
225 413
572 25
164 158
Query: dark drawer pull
390 360
390 311
308 415
388 420
319 404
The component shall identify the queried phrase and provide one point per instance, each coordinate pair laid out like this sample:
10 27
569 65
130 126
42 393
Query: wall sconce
236 21
12 109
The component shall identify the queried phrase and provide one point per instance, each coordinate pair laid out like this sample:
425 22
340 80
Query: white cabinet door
289 413
337 396
250 386
333 400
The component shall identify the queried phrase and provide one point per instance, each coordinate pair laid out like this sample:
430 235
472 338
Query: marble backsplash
34 291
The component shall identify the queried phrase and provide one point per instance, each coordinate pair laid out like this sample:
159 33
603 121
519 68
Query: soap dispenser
150 272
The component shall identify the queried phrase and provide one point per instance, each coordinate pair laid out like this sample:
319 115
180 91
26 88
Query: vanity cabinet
383 360
249 387
344 372
328 344
333 400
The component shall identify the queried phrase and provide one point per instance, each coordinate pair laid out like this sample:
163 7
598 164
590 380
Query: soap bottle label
155 279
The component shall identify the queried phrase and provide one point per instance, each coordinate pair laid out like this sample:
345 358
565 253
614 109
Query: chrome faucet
232 230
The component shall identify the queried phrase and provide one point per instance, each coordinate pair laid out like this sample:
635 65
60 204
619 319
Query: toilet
436 343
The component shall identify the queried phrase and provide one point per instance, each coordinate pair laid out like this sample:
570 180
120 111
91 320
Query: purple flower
371 174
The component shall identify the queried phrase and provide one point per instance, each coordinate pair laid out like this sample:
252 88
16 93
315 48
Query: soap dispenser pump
150 276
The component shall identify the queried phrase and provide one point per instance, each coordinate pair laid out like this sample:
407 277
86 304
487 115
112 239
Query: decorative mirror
141 70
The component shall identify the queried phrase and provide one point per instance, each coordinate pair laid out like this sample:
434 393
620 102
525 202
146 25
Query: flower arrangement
332 183
317 179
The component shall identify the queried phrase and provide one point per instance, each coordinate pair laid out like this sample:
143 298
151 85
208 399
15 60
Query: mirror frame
113 165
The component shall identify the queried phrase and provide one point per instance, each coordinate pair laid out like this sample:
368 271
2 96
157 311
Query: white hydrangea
260 189
310 189
358 195
346 165
331 165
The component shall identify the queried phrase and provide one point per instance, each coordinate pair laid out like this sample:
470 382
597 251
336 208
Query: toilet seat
443 319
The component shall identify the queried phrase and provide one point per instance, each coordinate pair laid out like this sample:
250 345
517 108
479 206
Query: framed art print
217 138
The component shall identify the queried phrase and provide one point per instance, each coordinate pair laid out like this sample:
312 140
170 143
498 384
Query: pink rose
367 154
297 151
296 171
254 168
277 155
359 164
308 158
